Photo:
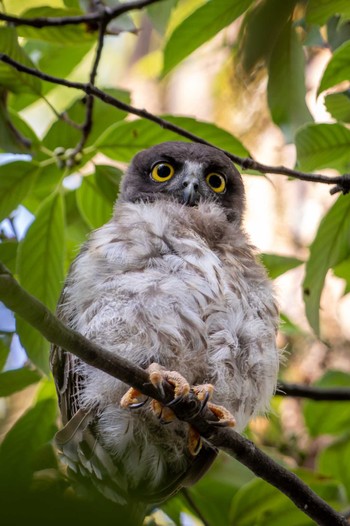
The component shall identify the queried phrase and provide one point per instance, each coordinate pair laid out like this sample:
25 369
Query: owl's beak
190 192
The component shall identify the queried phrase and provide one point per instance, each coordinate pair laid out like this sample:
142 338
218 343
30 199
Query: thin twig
187 496
48 21
86 127
188 409
335 394
341 182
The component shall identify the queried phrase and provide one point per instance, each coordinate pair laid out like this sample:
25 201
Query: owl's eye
217 182
162 172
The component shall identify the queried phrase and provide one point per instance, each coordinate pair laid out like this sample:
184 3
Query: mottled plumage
172 279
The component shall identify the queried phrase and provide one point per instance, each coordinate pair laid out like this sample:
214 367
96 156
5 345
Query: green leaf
330 247
338 105
159 14
15 134
16 180
259 503
277 265
341 271
331 462
338 68
94 206
23 441
318 11
41 270
10 78
323 146
8 254
123 140
17 379
104 115
199 27
286 83
255 43
108 179
5 342
219 485
64 35
333 418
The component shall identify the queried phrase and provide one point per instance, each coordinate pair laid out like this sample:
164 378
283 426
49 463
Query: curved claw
205 401
139 404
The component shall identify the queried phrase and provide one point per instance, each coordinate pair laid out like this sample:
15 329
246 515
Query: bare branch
89 18
86 127
189 409
341 182
334 394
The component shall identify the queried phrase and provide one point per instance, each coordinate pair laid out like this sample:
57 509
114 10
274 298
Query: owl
171 283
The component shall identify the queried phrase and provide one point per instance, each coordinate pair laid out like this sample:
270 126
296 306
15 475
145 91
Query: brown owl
171 280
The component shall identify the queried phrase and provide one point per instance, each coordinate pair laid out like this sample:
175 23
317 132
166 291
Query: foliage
277 36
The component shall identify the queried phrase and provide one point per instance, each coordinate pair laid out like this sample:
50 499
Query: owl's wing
64 369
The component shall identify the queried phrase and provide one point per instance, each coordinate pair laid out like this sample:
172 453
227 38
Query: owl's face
185 172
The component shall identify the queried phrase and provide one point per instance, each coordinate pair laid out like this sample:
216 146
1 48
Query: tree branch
87 125
96 16
341 182
189 409
335 394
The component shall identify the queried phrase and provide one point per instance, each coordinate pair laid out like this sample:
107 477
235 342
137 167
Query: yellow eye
217 182
162 172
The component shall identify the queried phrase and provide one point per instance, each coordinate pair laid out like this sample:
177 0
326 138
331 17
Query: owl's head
185 172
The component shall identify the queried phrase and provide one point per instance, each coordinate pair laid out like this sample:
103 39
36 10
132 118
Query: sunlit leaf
41 270
328 417
16 180
160 13
338 105
63 134
277 265
21 443
64 35
338 68
200 27
330 247
17 379
123 140
8 254
341 271
318 11
286 83
323 146
11 78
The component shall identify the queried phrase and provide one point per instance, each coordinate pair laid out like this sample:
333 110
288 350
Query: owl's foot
204 393
131 399
158 375
225 418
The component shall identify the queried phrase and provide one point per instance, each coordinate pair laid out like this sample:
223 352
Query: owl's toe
133 399
225 418
158 375
194 442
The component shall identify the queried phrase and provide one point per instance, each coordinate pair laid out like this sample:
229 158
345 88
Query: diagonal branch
35 313
340 183
334 394
96 16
